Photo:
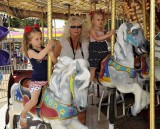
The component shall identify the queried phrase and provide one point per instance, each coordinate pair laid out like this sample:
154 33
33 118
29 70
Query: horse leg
56 124
136 107
145 99
76 124
136 89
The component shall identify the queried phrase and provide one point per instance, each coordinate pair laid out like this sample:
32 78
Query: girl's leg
92 71
28 106
91 87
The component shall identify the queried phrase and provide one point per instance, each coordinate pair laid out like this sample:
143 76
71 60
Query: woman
75 40
74 43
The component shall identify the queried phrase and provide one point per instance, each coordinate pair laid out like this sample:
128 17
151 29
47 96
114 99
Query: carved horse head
70 80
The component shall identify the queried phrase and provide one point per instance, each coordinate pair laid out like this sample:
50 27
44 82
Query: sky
59 23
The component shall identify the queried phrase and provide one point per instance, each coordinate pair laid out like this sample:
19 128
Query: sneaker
91 89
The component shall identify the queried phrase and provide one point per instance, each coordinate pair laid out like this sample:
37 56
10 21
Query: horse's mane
56 77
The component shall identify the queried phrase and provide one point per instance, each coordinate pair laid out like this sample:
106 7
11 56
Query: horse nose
81 108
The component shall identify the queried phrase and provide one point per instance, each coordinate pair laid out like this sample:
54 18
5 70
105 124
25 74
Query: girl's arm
57 49
42 53
51 54
102 37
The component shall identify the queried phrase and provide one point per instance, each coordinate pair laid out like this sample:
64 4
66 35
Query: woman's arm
57 49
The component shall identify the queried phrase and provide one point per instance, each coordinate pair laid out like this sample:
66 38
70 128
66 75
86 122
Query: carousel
127 84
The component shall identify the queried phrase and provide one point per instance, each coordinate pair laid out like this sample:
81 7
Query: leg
76 124
91 86
56 124
136 108
28 106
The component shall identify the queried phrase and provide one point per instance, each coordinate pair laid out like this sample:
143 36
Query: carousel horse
119 72
61 101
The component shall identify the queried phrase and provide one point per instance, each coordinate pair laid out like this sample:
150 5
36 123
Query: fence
6 71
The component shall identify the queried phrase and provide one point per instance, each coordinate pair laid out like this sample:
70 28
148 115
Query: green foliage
20 23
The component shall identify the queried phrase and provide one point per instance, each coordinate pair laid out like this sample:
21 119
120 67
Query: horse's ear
121 37
78 67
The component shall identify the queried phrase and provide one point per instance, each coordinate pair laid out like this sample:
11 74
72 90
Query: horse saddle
24 84
41 109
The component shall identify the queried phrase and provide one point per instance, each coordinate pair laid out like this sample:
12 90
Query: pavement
2 116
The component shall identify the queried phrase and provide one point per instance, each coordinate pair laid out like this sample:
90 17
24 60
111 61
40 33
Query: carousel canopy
130 10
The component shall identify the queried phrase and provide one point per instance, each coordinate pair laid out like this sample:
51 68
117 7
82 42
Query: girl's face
75 28
36 40
98 20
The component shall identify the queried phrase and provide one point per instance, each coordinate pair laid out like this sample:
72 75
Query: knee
33 102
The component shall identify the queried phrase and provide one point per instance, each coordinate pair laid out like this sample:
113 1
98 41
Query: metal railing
6 71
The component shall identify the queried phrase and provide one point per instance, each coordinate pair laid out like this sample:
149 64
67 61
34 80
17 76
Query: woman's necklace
78 43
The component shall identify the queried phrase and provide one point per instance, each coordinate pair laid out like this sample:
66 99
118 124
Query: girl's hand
112 32
50 44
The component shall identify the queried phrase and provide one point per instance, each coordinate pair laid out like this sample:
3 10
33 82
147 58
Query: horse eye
134 32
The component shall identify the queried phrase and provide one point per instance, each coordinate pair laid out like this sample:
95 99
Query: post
152 64
49 10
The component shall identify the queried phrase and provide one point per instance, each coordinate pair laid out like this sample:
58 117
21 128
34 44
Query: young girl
98 48
32 48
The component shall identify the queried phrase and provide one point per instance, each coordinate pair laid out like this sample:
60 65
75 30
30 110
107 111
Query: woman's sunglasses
78 27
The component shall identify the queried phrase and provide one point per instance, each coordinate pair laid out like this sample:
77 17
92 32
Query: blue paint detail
1 77
133 41
64 111
106 71
131 71
18 95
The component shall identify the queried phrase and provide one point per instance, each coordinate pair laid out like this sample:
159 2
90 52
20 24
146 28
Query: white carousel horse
121 73
61 102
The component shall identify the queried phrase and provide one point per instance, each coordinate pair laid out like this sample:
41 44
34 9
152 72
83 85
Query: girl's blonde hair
84 33
27 36
91 16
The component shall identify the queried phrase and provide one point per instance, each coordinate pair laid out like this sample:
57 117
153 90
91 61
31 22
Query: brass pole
91 7
49 10
10 43
144 17
69 10
42 22
94 5
152 64
113 24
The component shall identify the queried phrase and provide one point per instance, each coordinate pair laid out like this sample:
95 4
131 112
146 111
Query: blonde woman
74 41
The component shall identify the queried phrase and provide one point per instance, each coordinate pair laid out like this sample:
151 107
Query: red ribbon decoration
36 26
28 29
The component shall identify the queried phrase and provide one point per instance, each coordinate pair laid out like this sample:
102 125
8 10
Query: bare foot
23 121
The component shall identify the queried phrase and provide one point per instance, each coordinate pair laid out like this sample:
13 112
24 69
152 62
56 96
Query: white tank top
67 49
99 33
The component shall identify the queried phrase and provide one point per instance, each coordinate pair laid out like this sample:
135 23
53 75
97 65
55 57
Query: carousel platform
139 122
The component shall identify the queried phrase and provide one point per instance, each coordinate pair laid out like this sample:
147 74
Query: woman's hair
27 36
84 33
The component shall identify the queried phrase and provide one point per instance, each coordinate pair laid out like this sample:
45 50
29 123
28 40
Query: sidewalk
2 116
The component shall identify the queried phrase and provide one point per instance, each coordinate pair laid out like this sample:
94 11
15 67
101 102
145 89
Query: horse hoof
129 112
